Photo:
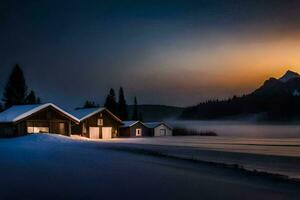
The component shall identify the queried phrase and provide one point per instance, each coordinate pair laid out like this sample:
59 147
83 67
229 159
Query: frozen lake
242 129
274 155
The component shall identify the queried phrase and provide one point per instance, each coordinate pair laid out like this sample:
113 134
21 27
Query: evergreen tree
31 98
135 114
90 104
110 102
122 106
1 107
38 100
15 90
141 116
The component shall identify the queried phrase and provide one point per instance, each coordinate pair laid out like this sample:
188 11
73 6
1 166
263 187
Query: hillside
276 99
157 112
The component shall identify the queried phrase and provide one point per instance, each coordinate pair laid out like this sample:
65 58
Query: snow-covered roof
129 123
156 124
84 113
19 112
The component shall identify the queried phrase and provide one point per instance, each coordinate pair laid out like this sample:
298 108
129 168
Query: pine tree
135 114
141 116
38 100
31 98
122 106
15 90
110 102
90 104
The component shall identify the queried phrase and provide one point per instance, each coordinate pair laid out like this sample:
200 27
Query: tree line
118 107
271 107
16 93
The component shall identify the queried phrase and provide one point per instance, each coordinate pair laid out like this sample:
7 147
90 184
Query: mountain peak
288 76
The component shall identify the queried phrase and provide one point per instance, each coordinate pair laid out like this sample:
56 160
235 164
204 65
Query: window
31 129
41 129
138 132
100 122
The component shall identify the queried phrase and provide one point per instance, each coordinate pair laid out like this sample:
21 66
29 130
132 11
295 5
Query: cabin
134 129
96 123
41 118
159 129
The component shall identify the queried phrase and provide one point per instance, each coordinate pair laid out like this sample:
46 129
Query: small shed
134 129
40 118
159 129
96 123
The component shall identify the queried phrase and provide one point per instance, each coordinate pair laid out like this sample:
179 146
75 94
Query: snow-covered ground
46 166
273 155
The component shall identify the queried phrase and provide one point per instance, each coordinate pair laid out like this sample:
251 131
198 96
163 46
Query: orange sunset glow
223 68
199 52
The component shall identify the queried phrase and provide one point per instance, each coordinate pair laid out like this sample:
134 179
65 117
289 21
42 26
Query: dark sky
165 52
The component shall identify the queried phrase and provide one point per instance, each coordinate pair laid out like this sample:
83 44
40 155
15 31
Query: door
163 132
138 132
106 133
61 128
94 132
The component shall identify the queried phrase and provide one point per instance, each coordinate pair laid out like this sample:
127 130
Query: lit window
31 129
100 122
138 132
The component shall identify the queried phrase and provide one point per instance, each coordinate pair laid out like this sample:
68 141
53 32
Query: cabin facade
134 129
96 123
28 119
158 129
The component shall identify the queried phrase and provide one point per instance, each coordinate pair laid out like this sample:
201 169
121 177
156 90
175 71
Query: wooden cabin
96 123
159 129
42 118
134 129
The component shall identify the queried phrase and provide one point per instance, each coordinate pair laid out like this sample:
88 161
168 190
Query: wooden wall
156 130
108 121
130 131
48 117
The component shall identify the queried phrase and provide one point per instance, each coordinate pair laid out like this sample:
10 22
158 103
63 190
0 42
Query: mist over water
242 128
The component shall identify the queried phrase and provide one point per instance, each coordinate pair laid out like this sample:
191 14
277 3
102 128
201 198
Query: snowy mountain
288 76
276 99
286 85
